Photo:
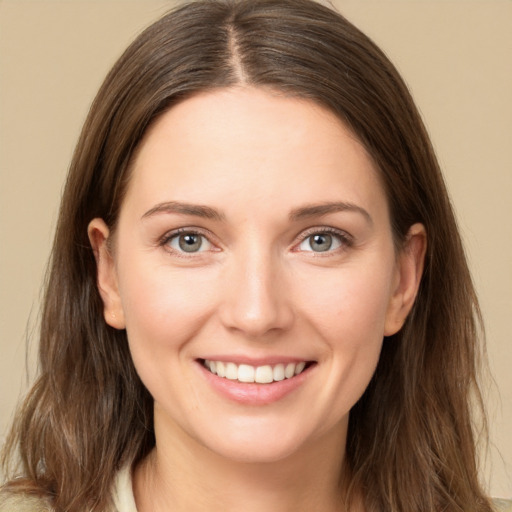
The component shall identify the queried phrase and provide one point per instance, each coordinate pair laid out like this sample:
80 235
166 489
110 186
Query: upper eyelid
324 229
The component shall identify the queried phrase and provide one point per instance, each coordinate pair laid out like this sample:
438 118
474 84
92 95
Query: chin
260 453
258 444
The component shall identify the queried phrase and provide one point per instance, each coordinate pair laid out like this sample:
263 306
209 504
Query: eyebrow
316 210
304 212
196 210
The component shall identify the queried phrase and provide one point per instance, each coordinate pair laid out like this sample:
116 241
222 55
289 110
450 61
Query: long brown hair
411 440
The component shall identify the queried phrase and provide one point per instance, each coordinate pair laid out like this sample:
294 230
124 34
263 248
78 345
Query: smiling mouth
265 374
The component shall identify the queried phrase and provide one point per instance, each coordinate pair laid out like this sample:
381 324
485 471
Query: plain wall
456 55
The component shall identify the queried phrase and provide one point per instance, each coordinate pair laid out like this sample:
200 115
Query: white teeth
231 371
246 373
260 374
264 374
289 371
279 372
299 368
221 372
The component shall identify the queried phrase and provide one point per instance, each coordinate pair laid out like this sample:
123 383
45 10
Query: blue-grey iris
190 242
321 242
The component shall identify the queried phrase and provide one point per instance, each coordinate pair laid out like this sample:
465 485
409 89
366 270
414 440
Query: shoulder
19 501
15 502
501 505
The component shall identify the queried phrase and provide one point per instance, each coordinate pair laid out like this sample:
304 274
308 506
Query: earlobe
409 272
107 284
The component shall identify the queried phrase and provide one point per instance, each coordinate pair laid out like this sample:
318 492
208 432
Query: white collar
123 491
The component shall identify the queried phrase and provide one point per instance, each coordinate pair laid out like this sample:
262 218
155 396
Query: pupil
190 243
321 243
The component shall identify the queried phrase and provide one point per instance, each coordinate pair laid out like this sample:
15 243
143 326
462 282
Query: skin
257 288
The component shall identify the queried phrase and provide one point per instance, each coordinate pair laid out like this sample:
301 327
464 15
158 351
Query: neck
182 475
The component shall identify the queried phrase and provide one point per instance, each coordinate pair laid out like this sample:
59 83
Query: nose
255 299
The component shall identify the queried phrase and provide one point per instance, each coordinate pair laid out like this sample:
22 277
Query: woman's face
254 239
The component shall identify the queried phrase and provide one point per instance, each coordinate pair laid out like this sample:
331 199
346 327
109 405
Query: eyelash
346 240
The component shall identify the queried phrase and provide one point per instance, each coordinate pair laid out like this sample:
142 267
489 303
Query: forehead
247 143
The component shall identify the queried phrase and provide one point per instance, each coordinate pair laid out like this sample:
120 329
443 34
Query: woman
258 295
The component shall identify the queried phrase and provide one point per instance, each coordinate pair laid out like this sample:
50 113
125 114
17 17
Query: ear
107 276
410 264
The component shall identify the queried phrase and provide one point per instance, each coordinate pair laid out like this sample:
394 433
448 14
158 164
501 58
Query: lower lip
253 393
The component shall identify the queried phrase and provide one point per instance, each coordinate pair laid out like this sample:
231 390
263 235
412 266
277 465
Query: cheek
351 320
163 307
348 310
349 305
164 310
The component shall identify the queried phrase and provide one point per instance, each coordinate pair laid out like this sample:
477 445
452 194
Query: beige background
455 55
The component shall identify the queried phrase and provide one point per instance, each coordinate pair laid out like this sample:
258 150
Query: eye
323 241
189 242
